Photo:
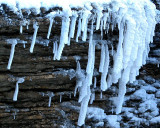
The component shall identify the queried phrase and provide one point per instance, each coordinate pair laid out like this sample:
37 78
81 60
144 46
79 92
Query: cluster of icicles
136 24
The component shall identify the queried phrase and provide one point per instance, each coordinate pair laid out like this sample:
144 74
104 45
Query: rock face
43 75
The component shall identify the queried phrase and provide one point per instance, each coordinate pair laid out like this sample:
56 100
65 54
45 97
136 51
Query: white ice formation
23 23
135 20
35 26
20 80
50 95
13 42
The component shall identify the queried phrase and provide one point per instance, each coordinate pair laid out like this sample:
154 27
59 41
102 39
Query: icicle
118 57
84 106
150 15
60 99
22 42
105 69
16 93
13 42
95 82
112 27
83 90
21 29
101 95
112 50
20 80
112 110
85 93
120 99
84 36
102 58
27 24
14 115
24 46
80 77
91 58
50 27
109 80
85 17
132 76
55 48
35 26
122 89
64 35
76 88
99 16
105 16
27 27
128 40
79 70
107 27
101 29
72 26
79 29
91 53
88 80
23 23
50 94
92 97
136 43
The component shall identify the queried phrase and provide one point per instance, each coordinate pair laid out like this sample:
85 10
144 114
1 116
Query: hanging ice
105 17
92 96
24 22
15 113
122 89
128 40
109 80
35 26
118 57
50 95
50 27
91 53
84 106
72 26
85 93
136 24
64 34
80 77
60 98
101 95
51 17
20 80
21 29
95 82
112 50
99 16
79 28
55 48
102 61
105 69
13 42
85 17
